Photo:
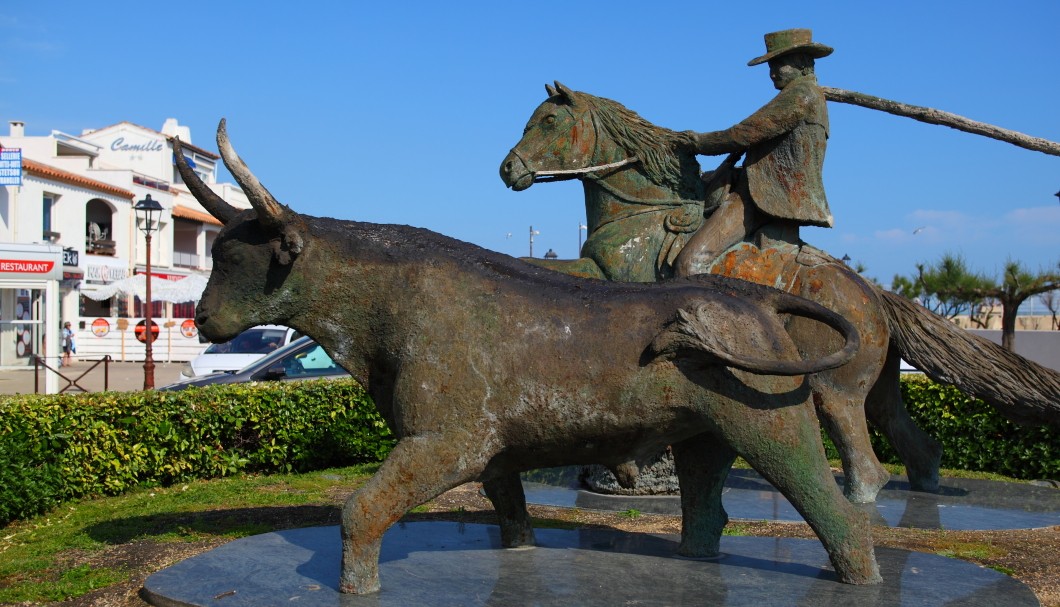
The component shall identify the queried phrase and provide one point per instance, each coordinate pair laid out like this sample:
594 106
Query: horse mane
657 147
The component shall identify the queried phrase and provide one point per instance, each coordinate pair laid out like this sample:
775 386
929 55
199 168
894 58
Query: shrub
60 447
973 434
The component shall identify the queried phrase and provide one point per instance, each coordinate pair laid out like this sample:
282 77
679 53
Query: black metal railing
39 361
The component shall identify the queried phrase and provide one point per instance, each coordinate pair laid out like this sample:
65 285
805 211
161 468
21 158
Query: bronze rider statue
780 184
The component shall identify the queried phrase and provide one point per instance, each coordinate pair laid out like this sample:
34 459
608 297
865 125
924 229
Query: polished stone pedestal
960 504
437 563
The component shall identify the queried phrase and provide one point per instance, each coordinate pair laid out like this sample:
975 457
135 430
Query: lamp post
150 211
532 234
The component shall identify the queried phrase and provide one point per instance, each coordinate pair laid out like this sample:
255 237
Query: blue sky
401 112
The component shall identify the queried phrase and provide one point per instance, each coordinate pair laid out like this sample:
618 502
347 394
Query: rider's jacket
785 142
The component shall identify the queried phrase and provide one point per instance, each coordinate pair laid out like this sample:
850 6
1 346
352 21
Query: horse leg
702 464
509 502
842 413
417 469
920 453
802 475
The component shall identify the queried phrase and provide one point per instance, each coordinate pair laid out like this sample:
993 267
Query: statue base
442 563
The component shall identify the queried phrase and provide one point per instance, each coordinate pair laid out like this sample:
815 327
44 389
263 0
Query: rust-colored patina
485 366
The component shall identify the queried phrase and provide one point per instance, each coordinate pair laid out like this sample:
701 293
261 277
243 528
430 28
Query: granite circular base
959 504
440 563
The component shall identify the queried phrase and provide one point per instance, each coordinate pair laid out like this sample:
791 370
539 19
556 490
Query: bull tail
1021 390
700 332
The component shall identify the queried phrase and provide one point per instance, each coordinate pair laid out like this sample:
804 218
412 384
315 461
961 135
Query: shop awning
175 291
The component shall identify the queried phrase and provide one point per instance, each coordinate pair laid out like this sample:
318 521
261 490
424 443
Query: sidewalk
122 377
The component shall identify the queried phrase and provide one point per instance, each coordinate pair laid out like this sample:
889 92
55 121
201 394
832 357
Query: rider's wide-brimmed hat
791 41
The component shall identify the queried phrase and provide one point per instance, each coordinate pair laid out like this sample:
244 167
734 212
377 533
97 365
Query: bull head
285 226
253 280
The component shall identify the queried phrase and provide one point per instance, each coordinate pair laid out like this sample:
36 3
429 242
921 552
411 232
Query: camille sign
121 144
10 166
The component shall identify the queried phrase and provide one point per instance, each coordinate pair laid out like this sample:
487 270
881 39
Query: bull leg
843 417
801 473
418 469
920 453
702 463
506 493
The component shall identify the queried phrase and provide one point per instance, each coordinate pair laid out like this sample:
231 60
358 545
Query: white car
240 351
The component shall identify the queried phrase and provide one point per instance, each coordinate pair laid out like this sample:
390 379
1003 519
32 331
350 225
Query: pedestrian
69 344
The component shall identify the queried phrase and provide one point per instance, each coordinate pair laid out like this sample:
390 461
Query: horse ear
565 93
551 90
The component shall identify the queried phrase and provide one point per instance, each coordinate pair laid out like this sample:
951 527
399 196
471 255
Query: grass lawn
98 551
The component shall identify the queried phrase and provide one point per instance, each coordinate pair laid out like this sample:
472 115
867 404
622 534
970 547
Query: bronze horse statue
485 366
645 196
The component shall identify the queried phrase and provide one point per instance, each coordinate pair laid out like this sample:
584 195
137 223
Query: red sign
141 333
188 328
164 276
26 266
100 327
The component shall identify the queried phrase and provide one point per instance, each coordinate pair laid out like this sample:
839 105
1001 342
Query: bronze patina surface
485 366
632 237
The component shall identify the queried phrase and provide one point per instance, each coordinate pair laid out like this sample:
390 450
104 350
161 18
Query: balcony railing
191 260
101 247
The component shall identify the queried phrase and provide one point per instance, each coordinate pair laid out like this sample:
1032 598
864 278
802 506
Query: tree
1052 303
1017 286
949 288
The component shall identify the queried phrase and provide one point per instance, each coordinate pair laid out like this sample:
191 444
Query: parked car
240 351
300 359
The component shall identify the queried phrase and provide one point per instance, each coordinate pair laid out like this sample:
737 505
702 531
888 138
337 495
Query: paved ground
121 377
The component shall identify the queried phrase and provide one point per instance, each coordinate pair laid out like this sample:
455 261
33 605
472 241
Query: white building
76 194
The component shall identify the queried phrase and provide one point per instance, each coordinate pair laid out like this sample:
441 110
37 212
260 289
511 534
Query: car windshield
251 341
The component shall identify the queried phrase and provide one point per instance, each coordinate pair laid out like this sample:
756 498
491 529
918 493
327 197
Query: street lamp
150 212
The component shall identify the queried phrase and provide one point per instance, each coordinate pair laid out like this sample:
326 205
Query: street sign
10 166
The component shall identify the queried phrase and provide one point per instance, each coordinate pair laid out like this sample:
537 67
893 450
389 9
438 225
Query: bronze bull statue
485 366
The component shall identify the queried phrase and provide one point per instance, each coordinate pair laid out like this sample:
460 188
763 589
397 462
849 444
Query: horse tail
1020 389
714 331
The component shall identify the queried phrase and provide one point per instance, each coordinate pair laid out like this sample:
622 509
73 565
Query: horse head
253 279
574 135
559 136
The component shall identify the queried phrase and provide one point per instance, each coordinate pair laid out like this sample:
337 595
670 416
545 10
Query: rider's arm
781 115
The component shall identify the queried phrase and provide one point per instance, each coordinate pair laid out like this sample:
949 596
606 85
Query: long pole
149 361
939 117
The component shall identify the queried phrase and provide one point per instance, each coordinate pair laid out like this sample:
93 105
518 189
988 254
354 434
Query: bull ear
214 204
565 93
551 90
287 226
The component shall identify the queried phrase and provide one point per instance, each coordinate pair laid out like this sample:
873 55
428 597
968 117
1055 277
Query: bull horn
214 204
551 90
270 211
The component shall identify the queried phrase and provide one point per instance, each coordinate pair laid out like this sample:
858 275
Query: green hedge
974 435
55 448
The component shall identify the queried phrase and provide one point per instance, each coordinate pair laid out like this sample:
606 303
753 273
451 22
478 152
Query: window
47 210
99 239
